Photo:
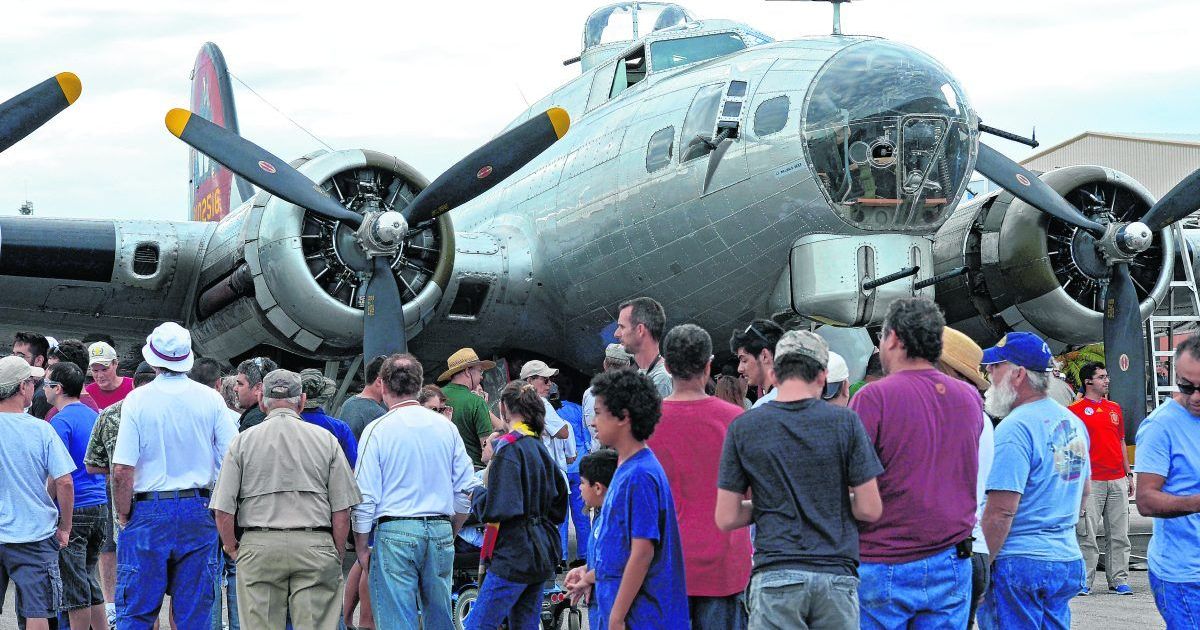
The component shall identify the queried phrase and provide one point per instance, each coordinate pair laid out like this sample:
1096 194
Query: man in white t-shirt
173 435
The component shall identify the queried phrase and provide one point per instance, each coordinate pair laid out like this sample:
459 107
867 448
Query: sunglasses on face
444 409
1186 388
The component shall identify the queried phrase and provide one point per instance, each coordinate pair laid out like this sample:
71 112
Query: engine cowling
1028 271
295 280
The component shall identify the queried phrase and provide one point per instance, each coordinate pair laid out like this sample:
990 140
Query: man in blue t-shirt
90 526
572 413
320 390
29 541
638 557
1035 491
1168 488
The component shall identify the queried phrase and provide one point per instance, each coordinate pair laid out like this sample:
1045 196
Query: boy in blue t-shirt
596 471
638 561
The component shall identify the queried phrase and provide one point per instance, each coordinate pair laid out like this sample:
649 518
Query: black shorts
77 561
33 569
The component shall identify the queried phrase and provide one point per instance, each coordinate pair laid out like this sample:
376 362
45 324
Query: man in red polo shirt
1112 482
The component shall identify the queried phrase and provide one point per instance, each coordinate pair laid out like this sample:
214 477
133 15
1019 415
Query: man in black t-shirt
811 469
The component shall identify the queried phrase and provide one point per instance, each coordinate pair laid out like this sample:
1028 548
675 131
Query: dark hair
599 466
1189 346
521 398
372 371
761 334
38 346
92 338
731 389
686 350
794 365
647 312
874 365
627 392
71 351
69 375
142 378
1088 371
402 374
206 371
918 323
255 369
429 391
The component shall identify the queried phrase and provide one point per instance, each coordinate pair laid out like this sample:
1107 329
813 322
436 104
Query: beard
999 399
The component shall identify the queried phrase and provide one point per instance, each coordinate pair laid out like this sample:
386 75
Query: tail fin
215 190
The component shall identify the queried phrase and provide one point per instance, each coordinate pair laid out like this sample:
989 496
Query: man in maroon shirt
687 442
916 567
1112 482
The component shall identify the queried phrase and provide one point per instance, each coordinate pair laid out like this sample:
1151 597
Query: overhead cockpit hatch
610 29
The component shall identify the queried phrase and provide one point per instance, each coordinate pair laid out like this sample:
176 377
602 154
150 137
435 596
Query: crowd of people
949 486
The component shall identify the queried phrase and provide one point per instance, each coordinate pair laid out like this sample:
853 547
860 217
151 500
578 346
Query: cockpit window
887 132
672 53
631 20
630 70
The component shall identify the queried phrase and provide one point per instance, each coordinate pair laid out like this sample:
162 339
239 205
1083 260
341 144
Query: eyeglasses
752 329
1186 388
444 409
50 383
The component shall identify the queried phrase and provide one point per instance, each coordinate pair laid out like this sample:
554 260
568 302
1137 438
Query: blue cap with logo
1021 348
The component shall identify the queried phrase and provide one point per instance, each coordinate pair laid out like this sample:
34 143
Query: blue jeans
227 577
410 571
718 613
933 592
1178 602
583 526
1028 593
500 599
169 547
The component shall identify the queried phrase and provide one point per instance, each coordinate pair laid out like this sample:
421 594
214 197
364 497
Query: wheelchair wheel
462 607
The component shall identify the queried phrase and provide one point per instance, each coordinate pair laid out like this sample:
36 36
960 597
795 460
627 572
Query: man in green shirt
465 371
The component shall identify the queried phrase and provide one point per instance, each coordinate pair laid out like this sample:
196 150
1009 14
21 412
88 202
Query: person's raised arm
1153 501
865 503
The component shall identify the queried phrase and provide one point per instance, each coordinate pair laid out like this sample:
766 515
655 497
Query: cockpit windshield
888 135
670 53
631 20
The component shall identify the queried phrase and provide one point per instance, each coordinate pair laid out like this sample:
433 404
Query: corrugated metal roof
1189 139
1157 163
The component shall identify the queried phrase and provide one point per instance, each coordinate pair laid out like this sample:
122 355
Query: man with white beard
1036 490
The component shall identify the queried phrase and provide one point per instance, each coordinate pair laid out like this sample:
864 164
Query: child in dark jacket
526 501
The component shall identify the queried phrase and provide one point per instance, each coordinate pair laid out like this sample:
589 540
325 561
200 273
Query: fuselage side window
698 125
630 70
671 53
771 116
660 149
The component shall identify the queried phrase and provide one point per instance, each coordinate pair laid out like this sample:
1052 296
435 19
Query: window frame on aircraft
654 159
698 123
759 129
621 73
659 44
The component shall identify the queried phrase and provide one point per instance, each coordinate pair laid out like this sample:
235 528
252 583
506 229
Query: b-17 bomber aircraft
700 162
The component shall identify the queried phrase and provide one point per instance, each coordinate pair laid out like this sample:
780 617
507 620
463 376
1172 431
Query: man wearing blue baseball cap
1035 491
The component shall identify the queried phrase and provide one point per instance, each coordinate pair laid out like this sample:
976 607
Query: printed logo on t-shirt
1088 411
1115 419
1069 450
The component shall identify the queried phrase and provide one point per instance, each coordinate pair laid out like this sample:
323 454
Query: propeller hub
382 233
1135 237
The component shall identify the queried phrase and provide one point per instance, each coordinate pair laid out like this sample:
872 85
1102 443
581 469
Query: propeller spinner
1117 245
379 234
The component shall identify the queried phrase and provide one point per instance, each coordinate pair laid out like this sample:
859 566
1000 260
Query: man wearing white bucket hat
174 433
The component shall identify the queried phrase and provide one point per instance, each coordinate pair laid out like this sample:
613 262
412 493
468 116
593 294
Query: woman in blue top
526 500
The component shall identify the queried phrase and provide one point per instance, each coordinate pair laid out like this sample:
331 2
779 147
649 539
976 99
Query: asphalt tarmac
1102 609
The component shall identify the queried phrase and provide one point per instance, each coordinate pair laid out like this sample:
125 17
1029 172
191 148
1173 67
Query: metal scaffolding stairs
1177 316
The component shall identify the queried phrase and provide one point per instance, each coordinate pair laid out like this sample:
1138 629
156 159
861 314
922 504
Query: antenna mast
837 14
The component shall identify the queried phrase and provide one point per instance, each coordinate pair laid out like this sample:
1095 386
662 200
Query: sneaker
1085 592
1122 589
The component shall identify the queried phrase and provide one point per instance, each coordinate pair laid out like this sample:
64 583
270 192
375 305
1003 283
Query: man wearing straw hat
465 371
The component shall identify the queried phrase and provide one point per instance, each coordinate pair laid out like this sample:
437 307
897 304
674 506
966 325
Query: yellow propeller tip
560 119
70 85
177 119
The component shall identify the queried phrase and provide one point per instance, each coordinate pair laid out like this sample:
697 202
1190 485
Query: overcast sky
429 82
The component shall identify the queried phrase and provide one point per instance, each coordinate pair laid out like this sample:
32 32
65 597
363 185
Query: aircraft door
712 150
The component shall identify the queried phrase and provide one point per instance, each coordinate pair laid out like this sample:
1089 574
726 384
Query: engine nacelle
1028 271
279 275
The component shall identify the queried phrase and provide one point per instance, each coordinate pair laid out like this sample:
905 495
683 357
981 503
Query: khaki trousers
1108 500
282 571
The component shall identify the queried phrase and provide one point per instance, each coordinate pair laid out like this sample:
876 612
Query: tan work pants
278 571
1108 500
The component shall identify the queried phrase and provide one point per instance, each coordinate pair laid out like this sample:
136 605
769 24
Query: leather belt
437 517
172 494
327 530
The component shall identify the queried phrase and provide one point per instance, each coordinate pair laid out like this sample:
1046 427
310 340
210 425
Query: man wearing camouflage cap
319 391
615 358
291 490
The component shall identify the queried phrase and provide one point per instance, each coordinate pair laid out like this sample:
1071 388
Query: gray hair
1039 381
278 403
9 391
